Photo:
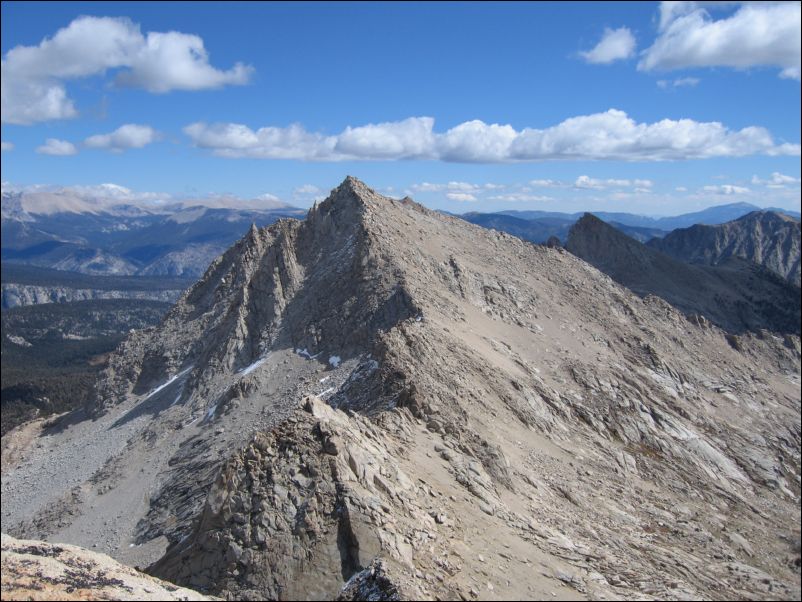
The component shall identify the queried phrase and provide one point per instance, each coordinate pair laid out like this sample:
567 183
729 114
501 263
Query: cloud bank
611 135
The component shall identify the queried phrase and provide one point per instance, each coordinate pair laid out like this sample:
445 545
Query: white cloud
518 197
727 189
547 183
56 147
236 140
616 44
7 146
450 186
588 183
681 189
307 189
460 196
427 187
682 82
33 86
609 135
757 34
268 197
777 180
476 142
130 135
408 139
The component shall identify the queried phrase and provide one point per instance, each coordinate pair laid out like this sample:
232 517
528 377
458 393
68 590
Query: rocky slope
36 570
764 237
738 296
382 400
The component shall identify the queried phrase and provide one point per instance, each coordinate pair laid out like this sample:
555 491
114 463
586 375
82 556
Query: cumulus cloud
777 180
56 147
518 197
34 77
616 44
411 138
547 183
586 182
610 135
450 186
476 142
682 82
460 196
307 189
727 189
130 135
756 34
7 146
236 140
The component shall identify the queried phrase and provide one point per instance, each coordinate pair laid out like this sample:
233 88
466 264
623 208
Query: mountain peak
297 408
352 186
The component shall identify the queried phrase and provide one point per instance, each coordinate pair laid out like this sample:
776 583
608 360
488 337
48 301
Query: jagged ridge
767 238
736 297
472 392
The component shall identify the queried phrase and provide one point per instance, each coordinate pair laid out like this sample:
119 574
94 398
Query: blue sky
467 107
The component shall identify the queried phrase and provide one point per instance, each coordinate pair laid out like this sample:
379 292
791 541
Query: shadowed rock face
384 393
767 238
738 296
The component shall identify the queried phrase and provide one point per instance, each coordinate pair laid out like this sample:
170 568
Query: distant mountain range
764 237
736 295
539 226
97 236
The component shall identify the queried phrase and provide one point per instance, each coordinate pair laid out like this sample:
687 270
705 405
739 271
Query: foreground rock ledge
36 570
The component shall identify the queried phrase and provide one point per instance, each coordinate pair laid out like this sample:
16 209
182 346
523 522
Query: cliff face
17 295
767 238
389 397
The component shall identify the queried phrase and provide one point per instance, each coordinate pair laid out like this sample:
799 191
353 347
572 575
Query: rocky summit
384 402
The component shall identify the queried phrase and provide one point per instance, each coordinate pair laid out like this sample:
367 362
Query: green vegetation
51 353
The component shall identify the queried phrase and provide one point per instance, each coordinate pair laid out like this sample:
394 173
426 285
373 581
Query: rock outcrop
36 570
383 400
17 295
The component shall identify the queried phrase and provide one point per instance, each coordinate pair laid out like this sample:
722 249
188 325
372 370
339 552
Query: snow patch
253 366
19 341
335 360
210 412
168 383
305 352
178 397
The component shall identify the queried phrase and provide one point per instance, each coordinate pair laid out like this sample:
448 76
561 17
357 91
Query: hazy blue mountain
92 237
712 215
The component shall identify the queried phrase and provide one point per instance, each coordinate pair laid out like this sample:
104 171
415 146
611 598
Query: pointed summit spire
355 186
